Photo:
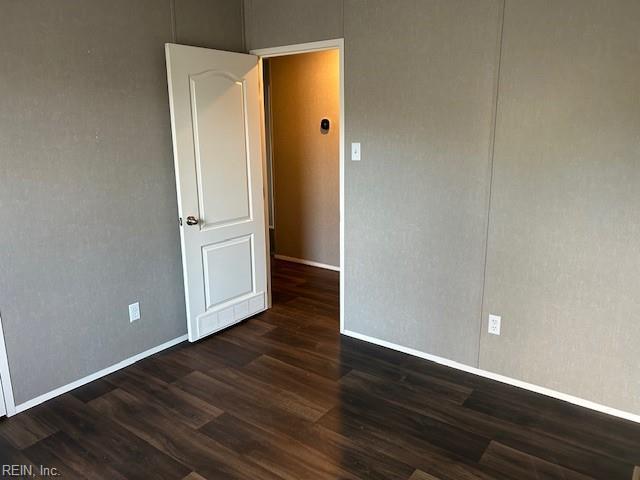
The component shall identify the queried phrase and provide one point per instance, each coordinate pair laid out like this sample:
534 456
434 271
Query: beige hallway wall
305 89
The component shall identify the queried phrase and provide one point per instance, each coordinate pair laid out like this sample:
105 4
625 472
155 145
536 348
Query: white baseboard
308 262
94 376
499 378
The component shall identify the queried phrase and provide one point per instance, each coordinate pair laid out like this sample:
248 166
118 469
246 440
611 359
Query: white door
215 118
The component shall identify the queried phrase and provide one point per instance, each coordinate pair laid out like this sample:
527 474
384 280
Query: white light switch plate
494 324
355 151
134 312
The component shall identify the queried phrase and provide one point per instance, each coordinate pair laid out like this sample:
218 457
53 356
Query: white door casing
215 119
7 403
3 407
302 48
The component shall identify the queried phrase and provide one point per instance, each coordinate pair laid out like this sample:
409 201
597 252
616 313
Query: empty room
320 239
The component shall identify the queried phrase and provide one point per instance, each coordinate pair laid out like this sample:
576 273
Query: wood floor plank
563 421
549 448
187 446
519 465
194 476
332 369
420 475
42 456
163 366
13 459
408 427
23 431
529 441
517 436
74 456
132 457
423 455
416 393
280 453
259 410
312 387
356 457
228 353
309 305
292 338
185 408
260 388
92 390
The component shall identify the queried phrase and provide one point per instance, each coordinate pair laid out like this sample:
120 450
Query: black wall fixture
324 126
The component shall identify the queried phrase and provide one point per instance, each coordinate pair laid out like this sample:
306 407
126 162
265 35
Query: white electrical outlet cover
494 324
134 312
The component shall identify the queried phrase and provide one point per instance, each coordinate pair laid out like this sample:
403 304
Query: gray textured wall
306 163
419 80
210 23
269 23
419 83
87 190
563 252
564 245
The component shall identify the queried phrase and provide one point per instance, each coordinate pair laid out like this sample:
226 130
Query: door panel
219 119
215 118
228 271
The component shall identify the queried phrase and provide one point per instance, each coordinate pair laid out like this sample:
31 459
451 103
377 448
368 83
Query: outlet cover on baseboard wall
494 324
134 312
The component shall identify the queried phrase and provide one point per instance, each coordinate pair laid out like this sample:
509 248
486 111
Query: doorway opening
303 92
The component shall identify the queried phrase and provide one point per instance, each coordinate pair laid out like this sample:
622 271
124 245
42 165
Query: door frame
6 388
334 44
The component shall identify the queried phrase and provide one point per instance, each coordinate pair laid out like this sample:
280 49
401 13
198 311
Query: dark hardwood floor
284 396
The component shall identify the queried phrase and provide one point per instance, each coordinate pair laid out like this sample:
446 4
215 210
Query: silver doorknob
191 220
